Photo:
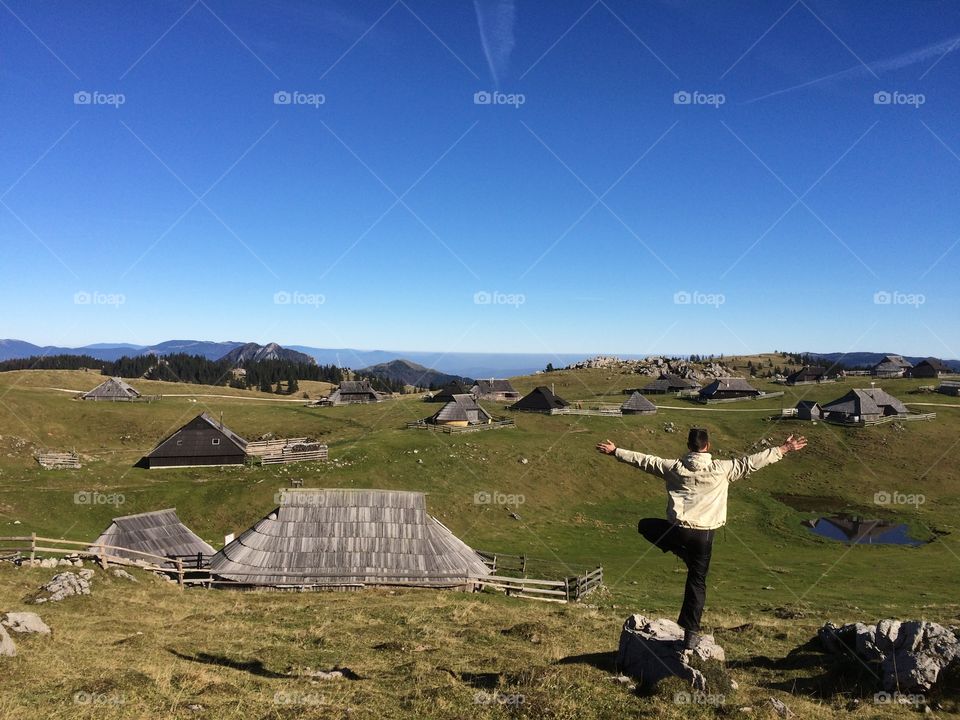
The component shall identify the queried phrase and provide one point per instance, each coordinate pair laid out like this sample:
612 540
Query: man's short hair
698 439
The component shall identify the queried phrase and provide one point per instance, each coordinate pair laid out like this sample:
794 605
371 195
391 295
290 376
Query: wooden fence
59 461
602 409
495 425
762 396
912 417
569 588
104 554
287 450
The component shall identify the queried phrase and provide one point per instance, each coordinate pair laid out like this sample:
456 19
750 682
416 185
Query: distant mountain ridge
252 352
411 373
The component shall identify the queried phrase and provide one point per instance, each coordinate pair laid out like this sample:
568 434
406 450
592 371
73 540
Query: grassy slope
579 508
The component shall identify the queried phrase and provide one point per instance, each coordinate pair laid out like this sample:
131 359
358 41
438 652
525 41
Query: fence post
523 564
103 557
33 547
566 589
180 572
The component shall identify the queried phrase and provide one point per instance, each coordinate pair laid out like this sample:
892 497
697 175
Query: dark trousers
694 547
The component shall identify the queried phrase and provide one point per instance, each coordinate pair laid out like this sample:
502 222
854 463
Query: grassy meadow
450 655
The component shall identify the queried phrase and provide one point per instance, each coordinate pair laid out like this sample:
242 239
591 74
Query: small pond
861 531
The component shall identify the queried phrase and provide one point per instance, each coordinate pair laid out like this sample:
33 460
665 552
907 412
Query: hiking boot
691 640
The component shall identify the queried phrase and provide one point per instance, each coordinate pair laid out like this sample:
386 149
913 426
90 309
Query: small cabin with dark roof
447 392
892 366
461 411
806 375
637 404
112 390
809 410
202 441
353 392
930 368
499 390
668 383
728 389
540 399
863 405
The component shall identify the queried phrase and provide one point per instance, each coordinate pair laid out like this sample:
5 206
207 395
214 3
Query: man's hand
793 444
607 447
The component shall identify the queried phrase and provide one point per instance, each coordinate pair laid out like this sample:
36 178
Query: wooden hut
348 538
809 410
447 392
668 383
863 405
159 533
806 375
202 441
929 368
497 390
728 389
637 404
540 399
112 390
949 388
461 411
353 392
892 366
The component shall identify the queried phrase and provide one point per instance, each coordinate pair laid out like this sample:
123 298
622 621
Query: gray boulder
650 650
911 654
7 646
25 622
62 586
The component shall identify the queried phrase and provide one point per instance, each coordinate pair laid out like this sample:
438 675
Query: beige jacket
697 484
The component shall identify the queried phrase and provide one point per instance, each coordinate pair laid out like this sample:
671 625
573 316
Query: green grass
579 508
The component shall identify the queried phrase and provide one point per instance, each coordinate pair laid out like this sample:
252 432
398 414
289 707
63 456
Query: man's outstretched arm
648 463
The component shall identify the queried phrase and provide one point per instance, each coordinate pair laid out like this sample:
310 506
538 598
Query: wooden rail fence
569 588
495 425
287 450
102 553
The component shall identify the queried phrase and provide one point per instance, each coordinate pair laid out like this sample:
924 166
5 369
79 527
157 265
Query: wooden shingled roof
669 381
540 399
865 401
732 384
159 533
192 440
462 408
112 389
336 537
637 403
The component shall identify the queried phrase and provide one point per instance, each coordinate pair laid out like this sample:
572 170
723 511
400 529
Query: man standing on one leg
696 506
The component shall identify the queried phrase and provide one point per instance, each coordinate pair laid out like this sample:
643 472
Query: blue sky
587 208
